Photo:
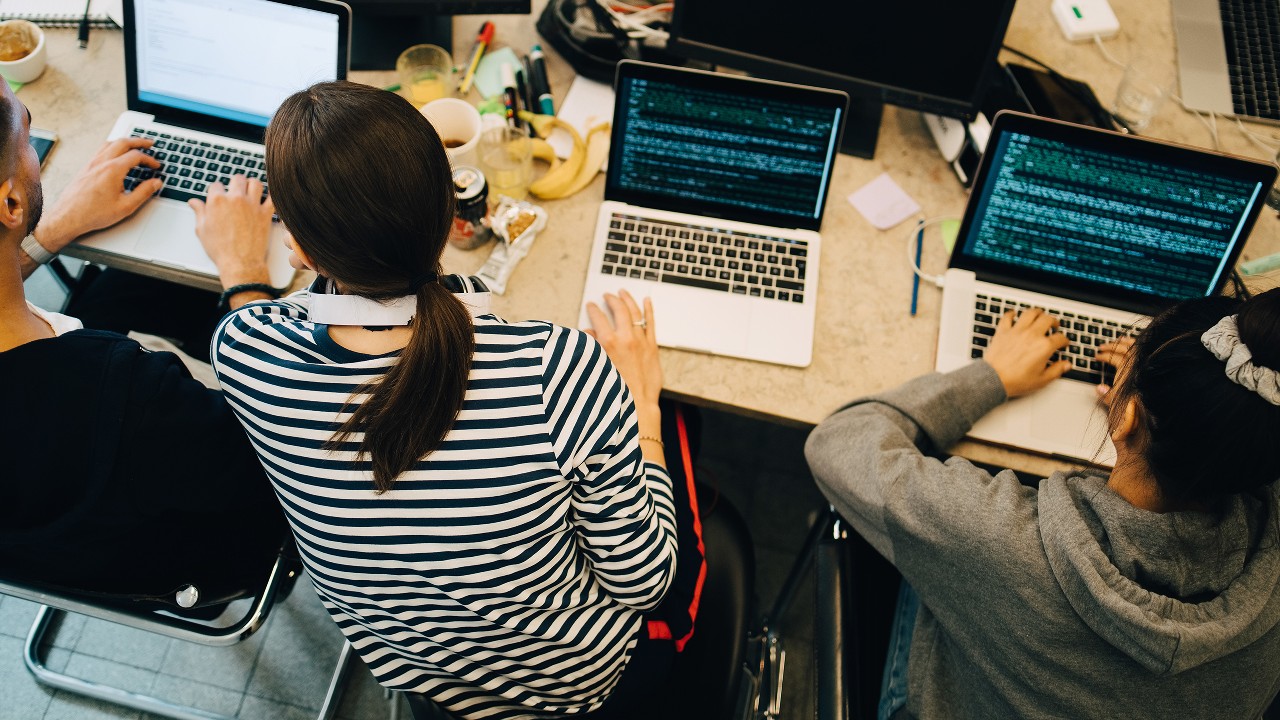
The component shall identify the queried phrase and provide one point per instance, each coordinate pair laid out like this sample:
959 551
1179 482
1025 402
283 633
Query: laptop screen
233 60
723 146
1108 216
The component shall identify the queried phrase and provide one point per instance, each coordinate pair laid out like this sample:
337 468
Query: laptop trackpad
170 237
1067 413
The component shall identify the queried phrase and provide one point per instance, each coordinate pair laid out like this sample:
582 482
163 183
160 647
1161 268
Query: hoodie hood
1170 590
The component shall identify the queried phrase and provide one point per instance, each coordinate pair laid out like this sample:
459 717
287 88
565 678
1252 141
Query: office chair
158 616
708 678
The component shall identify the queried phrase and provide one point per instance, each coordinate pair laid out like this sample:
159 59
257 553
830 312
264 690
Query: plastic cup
506 157
1142 92
426 74
458 125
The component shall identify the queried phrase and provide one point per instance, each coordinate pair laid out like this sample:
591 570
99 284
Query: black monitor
382 29
930 55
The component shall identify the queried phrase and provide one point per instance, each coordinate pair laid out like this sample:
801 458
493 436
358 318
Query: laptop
1101 229
1229 56
203 79
713 198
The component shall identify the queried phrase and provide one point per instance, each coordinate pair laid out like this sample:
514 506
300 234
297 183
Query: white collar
326 308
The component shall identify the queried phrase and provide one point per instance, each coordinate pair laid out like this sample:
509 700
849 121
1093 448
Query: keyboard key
789 285
696 282
797 297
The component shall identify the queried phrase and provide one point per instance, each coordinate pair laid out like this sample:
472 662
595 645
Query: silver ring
641 323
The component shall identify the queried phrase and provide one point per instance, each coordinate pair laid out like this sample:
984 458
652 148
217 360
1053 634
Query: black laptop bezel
207 123
768 89
1198 159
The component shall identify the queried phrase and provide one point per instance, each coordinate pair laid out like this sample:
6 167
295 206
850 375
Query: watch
36 251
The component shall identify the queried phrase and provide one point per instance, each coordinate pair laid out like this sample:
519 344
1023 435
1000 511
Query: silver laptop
1229 56
203 80
1101 229
715 192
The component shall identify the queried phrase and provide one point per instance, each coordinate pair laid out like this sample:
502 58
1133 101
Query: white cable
636 24
1258 140
1097 40
919 227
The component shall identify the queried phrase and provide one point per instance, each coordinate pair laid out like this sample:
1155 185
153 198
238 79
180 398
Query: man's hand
1020 351
234 226
96 198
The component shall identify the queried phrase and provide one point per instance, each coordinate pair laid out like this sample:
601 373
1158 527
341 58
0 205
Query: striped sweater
506 574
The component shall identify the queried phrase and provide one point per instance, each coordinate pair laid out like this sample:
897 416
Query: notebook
59 13
203 80
1104 230
714 194
1229 56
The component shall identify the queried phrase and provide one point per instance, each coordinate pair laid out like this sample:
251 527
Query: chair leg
137 701
92 689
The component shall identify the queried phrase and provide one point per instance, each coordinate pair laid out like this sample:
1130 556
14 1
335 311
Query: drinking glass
426 74
506 157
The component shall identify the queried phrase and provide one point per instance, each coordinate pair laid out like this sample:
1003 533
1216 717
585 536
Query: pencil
915 274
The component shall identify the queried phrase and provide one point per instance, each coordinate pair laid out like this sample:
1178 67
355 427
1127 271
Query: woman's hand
1020 351
632 346
234 227
1115 354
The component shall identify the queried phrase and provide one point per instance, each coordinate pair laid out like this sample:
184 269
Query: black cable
1071 87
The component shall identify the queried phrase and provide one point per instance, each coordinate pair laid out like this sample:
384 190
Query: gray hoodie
1060 601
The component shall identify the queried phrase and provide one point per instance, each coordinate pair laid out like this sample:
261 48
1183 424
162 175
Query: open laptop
1229 56
714 195
1101 229
203 80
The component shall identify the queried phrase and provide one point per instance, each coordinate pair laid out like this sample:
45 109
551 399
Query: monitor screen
723 146
1103 217
933 55
234 59
1143 225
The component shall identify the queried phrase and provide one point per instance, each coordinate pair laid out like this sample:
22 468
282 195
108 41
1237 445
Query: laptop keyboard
189 166
1084 332
1251 29
698 256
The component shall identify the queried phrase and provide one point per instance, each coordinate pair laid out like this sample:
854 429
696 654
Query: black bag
588 39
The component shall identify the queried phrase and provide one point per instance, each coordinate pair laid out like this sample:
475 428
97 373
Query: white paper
587 104
883 203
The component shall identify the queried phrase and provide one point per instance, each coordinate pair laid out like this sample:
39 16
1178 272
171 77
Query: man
123 475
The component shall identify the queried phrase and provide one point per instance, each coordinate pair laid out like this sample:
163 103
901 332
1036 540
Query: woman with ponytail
1151 593
482 507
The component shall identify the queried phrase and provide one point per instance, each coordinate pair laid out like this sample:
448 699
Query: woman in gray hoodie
1153 593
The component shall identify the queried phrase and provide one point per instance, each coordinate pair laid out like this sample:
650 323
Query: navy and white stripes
509 569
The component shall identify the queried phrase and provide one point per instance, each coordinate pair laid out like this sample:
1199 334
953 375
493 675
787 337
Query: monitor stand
862 127
377 40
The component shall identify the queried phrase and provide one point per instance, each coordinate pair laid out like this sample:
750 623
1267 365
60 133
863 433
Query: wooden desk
866 340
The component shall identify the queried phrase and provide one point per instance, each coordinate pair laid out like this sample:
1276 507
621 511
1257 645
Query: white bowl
26 69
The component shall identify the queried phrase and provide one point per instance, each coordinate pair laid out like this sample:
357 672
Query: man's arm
96 197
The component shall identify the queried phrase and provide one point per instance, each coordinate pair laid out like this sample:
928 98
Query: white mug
28 68
457 123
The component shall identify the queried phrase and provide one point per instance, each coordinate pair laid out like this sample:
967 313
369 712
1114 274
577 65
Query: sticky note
488 80
883 203
949 230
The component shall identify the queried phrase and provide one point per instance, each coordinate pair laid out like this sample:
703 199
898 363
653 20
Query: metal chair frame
53 603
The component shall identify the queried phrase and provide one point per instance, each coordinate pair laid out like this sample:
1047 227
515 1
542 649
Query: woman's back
511 564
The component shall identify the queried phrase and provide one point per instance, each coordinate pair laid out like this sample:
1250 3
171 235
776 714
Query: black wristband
225 298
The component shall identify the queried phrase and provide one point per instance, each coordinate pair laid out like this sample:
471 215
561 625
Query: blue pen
541 86
915 276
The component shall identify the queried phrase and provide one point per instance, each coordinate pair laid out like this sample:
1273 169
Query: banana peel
582 166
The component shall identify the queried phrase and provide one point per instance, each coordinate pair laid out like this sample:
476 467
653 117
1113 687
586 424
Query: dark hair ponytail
1204 436
361 179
